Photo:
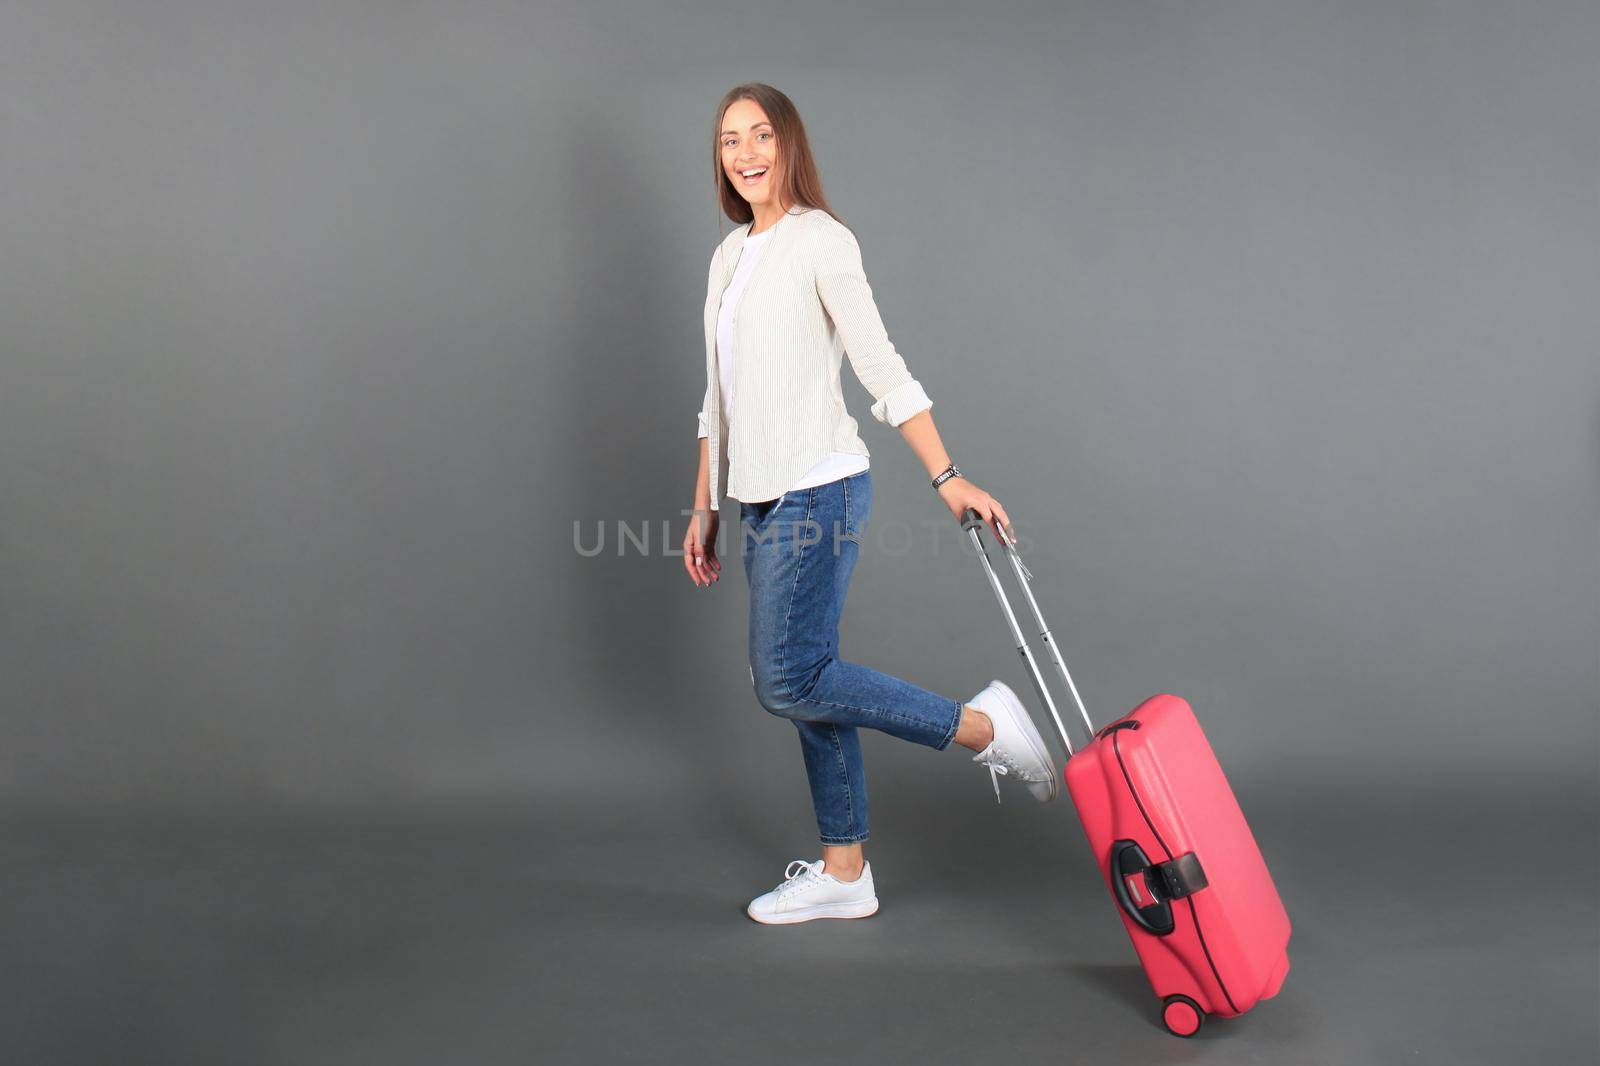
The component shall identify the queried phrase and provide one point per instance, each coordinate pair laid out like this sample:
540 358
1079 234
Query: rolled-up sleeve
842 287
705 408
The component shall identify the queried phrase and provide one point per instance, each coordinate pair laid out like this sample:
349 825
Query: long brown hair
797 183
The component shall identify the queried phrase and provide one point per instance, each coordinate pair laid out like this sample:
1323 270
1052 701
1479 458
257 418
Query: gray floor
489 937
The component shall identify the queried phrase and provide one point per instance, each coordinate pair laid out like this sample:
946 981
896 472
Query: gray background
327 329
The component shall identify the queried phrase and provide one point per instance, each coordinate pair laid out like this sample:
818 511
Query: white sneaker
1017 749
808 893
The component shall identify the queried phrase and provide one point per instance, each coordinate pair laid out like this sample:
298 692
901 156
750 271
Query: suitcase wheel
1181 1015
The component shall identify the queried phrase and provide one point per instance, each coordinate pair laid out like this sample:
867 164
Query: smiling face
749 144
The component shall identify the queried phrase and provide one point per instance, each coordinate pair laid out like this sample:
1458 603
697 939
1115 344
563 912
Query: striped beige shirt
805 308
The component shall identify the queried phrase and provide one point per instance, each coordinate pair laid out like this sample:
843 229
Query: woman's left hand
959 494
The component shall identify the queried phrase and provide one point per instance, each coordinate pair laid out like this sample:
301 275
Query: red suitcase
1173 846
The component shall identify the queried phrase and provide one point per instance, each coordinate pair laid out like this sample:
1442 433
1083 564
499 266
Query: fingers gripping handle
971 519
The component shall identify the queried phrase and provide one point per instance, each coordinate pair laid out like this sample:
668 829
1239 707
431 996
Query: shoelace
793 879
1000 762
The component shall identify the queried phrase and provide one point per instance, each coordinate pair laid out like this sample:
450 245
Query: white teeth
752 173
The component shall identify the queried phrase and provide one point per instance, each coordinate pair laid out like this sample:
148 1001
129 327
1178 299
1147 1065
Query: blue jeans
799 552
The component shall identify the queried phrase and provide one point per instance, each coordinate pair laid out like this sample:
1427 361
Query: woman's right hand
700 548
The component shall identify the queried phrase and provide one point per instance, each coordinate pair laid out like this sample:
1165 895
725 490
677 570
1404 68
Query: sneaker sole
859 909
1019 716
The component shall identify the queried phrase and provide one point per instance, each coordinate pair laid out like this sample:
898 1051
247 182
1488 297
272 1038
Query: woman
786 298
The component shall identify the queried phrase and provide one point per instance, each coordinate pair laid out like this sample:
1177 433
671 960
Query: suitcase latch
1145 890
1182 876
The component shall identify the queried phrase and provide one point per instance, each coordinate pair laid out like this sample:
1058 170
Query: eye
765 134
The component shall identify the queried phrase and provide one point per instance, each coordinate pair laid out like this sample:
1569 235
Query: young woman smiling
786 301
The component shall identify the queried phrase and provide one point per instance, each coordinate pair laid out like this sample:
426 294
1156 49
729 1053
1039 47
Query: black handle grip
1128 860
971 519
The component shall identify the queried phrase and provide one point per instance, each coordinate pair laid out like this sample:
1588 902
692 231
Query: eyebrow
766 124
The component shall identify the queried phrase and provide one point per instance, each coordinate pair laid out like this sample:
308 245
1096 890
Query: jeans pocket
857 504
757 513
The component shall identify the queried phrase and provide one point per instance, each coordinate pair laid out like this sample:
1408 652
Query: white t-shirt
834 465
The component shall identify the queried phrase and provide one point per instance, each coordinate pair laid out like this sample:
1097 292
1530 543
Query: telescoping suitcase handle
973 523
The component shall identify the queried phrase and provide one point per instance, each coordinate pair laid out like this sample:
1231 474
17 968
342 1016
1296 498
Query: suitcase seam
1194 915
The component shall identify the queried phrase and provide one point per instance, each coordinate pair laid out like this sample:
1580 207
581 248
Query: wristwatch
948 473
